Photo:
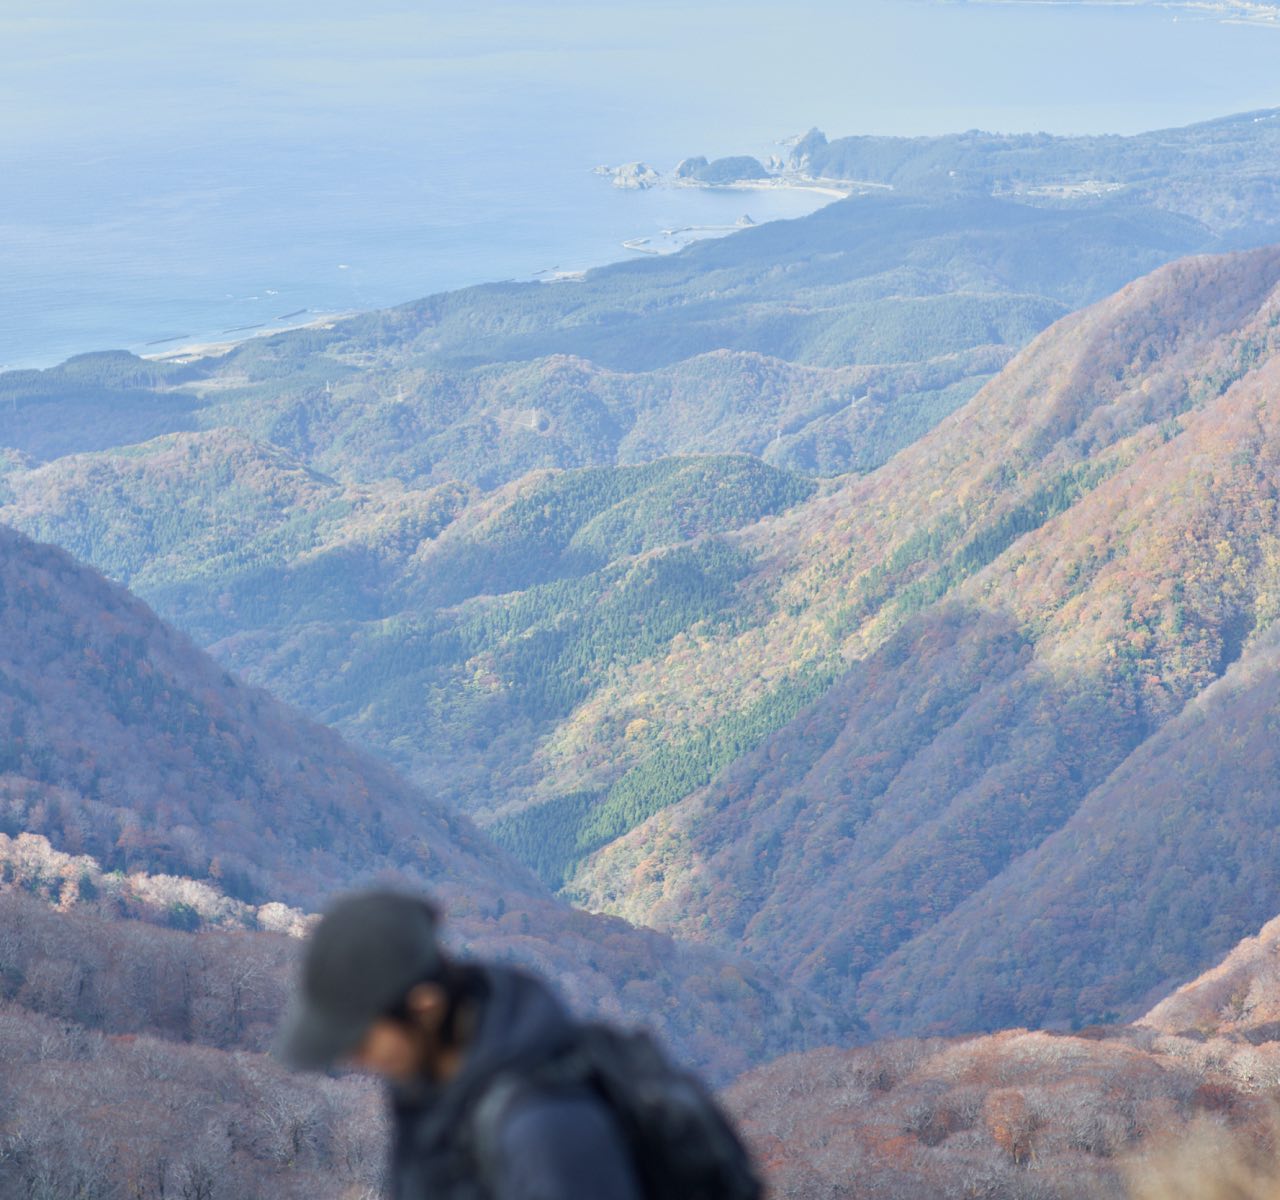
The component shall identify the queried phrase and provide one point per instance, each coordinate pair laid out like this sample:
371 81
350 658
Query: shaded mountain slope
1238 998
1029 619
93 401
1176 853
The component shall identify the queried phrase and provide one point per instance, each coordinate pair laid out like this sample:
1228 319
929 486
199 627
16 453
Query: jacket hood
520 1022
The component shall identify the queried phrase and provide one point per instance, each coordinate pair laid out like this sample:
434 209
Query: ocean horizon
200 179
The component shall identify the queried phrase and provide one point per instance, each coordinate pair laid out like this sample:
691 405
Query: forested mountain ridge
309 482
977 718
450 630
1218 173
239 525
122 740
847 569
124 743
911 303
374 519
1023 622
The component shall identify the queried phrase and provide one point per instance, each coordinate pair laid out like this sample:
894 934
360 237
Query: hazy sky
138 68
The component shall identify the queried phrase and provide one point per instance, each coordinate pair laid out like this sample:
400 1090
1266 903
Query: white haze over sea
178 170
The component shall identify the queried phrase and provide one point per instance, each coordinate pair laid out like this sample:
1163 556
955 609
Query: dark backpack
682 1145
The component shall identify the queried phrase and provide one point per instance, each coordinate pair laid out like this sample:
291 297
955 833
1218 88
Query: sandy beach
189 352
838 189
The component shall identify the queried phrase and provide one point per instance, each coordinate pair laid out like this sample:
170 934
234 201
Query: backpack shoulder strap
481 1134
484 1128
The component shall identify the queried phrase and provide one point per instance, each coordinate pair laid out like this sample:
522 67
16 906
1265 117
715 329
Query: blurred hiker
496 1091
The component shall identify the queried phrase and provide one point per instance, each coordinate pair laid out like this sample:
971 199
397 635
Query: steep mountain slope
330 586
575 705
1176 852
122 740
119 740
1025 620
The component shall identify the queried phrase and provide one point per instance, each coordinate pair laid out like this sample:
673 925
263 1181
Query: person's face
403 1050
393 1049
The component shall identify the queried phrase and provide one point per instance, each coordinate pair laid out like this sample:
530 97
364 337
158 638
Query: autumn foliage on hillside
121 740
135 1067
136 1012
1182 1105
1029 596
1238 998
900 700
1018 1115
300 468
148 780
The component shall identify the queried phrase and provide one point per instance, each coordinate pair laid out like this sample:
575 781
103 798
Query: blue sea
197 172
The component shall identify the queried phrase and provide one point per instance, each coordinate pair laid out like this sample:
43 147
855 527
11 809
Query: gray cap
364 956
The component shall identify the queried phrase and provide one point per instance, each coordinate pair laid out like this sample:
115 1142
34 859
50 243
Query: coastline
191 347
837 189
669 241
639 176
192 351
